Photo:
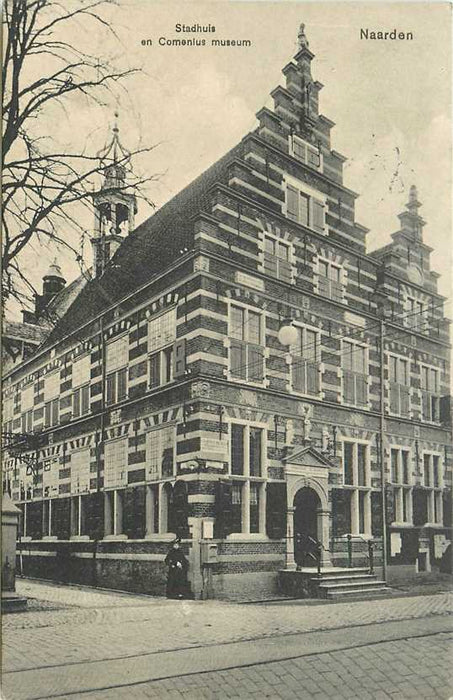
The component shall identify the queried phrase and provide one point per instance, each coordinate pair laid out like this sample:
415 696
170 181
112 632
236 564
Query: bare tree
45 185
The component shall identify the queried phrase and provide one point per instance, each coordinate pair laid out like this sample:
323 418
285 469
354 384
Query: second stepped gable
405 281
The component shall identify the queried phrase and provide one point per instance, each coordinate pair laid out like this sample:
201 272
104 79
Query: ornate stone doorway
307 477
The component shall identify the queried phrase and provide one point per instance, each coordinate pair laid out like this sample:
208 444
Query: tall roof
147 250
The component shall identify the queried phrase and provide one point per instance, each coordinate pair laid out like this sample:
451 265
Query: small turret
52 283
114 207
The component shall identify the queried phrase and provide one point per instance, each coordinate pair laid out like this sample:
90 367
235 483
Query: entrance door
306 506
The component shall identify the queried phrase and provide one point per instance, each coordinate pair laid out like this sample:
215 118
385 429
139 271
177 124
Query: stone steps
356 583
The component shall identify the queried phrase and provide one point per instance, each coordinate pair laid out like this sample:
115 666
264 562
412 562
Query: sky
391 102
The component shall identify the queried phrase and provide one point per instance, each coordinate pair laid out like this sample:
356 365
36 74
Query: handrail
369 554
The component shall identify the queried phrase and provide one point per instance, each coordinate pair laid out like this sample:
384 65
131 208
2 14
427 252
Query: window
27 422
415 317
305 356
161 367
81 401
305 209
115 463
51 413
329 280
355 373
246 344
161 336
160 446
357 479
305 152
400 476
399 385
246 462
117 357
433 483
116 386
277 258
430 388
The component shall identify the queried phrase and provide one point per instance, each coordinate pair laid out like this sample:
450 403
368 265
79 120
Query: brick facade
268 233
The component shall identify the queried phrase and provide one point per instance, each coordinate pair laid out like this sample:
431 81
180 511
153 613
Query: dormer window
307 153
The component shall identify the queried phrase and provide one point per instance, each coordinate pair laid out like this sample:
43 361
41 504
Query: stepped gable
153 245
408 256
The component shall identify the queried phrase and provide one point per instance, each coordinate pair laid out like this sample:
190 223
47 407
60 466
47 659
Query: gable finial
301 37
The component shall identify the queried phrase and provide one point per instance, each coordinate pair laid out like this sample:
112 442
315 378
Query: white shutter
117 353
162 330
80 471
51 386
81 371
115 463
27 398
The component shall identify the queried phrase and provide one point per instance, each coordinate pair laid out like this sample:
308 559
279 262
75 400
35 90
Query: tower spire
114 204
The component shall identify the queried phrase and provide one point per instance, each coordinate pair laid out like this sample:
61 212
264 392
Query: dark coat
177 574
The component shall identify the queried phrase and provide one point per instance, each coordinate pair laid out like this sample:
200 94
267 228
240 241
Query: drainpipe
382 452
101 438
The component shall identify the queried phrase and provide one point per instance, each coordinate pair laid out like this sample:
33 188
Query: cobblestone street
112 645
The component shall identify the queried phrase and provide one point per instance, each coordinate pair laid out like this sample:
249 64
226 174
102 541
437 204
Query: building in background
240 372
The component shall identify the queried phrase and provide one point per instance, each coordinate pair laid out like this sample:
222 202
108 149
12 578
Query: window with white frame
415 316
354 364
160 453
433 483
247 450
357 480
161 336
80 471
399 381
329 280
305 361
305 152
401 479
27 421
430 388
81 370
115 463
246 331
277 258
51 413
117 357
305 208
81 401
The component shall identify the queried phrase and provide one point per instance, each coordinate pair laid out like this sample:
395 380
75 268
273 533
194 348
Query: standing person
177 571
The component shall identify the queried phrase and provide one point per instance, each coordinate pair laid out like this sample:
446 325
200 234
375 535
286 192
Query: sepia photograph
226 395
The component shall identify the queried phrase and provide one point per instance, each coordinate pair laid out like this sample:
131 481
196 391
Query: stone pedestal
10 520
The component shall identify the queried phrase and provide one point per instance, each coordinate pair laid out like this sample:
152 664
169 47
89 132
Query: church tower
115 207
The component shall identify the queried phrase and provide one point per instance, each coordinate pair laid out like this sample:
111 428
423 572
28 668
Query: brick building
241 372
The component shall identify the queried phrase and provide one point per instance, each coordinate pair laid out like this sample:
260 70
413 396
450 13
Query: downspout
382 451
100 442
